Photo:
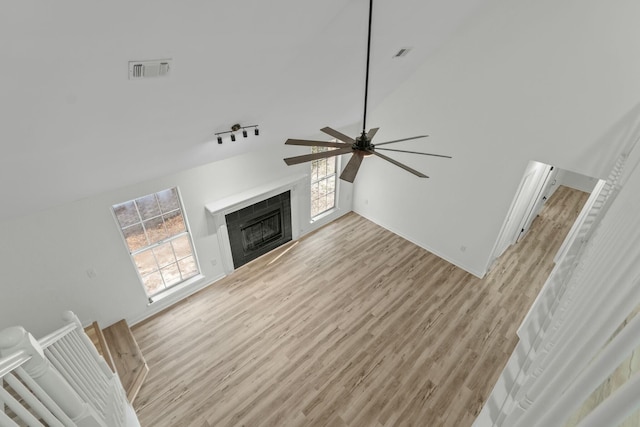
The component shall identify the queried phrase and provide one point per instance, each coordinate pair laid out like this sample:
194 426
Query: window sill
174 289
323 215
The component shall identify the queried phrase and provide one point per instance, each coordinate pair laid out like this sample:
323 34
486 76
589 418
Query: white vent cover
147 69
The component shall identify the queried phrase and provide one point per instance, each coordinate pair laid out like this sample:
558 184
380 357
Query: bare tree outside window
158 239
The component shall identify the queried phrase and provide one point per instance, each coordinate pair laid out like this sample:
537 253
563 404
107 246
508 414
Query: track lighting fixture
236 128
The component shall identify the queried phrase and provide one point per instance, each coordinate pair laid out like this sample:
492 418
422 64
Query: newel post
15 339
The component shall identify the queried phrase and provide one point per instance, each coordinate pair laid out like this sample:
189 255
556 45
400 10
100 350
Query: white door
523 204
546 185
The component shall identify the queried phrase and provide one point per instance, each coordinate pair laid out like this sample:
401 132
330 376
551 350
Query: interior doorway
539 182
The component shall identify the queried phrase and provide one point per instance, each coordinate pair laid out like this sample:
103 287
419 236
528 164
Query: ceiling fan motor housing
363 142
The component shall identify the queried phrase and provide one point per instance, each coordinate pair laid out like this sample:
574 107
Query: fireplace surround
220 209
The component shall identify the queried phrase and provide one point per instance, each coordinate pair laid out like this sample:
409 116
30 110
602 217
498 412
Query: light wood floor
353 326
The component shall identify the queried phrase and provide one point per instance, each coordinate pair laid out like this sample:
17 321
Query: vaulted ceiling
74 125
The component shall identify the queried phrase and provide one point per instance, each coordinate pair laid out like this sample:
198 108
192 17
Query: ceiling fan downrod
364 137
360 146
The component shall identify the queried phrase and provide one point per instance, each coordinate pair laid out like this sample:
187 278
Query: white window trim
335 207
177 286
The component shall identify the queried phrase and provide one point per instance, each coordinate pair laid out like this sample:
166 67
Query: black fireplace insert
259 228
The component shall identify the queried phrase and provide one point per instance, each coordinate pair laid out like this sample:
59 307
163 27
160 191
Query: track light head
236 128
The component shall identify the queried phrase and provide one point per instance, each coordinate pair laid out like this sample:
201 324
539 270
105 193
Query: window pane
188 267
315 207
182 247
155 230
171 274
331 166
126 214
148 206
174 223
164 255
153 283
168 200
322 188
322 205
322 168
323 183
145 262
135 237
325 167
331 184
331 200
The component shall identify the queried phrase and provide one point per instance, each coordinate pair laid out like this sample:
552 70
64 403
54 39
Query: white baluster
18 409
44 397
33 401
15 339
69 316
1 401
573 329
5 421
615 409
596 372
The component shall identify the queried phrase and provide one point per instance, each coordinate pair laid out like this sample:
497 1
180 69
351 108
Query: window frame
312 182
164 289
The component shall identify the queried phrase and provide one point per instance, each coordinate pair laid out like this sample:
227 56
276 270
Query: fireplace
261 231
259 228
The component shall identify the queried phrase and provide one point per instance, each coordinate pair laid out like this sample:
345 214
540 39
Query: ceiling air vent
402 52
147 69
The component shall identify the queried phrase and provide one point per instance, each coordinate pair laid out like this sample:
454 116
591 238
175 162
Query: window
323 183
159 242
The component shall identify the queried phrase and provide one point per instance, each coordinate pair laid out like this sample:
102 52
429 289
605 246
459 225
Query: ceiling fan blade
338 135
315 156
403 139
350 171
403 166
309 143
372 133
414 152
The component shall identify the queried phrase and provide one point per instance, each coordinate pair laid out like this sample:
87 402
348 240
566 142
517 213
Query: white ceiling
73 125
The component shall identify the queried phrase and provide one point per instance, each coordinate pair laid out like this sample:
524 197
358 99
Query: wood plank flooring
350 326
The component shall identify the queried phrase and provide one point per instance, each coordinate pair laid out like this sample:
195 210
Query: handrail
9 363
57 335
62 378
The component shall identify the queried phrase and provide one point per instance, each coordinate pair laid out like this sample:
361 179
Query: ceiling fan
361 146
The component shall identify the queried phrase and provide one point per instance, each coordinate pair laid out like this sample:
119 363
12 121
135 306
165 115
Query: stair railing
59 380
566 347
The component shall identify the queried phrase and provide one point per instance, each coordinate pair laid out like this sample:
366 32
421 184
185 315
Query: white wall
576 180
555 81
44 257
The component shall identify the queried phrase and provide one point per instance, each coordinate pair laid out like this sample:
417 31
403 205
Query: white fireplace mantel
218 209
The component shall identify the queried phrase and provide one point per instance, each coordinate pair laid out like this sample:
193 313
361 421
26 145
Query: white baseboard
458 264
168 301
